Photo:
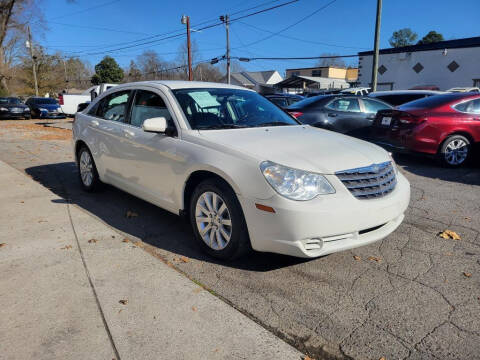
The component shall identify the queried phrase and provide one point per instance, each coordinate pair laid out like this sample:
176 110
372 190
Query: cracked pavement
406 297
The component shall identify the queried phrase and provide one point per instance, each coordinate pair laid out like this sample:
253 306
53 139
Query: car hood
301 147
9 106
48 106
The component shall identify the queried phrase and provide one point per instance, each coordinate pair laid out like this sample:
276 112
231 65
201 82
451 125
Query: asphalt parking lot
414 295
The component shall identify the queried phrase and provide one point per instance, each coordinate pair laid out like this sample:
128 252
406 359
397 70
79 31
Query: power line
83 10
180 30
290 26
96 28
246 59
300 39
183 34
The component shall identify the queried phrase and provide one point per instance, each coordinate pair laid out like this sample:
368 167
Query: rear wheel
217 220
87 171
455 151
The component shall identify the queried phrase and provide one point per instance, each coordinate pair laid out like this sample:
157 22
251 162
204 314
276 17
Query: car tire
87 171
455 151
214 208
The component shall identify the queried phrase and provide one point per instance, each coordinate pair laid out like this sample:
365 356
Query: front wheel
217 220
455 151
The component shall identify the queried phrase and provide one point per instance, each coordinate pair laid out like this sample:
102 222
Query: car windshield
14 101
229 108
45 101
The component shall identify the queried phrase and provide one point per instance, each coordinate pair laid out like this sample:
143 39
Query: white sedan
245 173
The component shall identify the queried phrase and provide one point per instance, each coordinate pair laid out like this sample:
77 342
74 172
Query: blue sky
345 27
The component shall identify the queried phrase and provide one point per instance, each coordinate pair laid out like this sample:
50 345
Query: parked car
425 87
69 102
359 91
44 108
284 100
351 115
399 97
321 92
244 172
446 125
464 89
13 108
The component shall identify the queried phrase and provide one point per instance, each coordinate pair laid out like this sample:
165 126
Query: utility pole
186 21
376 45
225 19
30 46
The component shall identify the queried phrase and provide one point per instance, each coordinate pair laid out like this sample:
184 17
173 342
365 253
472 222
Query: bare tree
15 15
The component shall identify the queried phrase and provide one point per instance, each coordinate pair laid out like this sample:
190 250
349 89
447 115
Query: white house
444 64
260 81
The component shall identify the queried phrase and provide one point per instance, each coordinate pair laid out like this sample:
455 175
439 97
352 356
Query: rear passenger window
114 106
472 107
372 106
148 105
344 105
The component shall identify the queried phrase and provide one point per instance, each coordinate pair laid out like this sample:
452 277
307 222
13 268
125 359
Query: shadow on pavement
153 225
429 167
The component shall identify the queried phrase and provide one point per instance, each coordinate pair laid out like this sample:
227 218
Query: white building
444 64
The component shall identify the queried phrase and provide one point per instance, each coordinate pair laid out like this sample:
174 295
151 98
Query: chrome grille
369 182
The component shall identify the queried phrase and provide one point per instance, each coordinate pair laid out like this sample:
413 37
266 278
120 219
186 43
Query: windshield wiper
221 126
273 123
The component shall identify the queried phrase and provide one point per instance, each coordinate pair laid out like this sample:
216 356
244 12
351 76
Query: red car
446 125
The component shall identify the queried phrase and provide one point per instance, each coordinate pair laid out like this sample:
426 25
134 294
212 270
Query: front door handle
95 123
331 115
128 133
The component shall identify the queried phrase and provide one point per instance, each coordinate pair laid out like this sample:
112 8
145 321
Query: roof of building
448 44
253 77
297 81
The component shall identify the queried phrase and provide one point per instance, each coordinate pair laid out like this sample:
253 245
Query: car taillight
295 114
60 99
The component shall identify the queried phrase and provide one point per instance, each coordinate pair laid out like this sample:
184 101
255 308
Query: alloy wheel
213 220
86 168
456 152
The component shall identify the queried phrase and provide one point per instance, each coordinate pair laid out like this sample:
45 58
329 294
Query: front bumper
14 115
51 115
326 224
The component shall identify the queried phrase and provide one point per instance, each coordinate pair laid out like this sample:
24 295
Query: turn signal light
265 208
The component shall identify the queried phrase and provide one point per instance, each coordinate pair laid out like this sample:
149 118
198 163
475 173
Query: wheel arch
464 133
78 145
196 177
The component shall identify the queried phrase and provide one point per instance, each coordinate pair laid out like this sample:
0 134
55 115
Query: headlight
26 109
295 184
43 109
59 109
3 109
394 164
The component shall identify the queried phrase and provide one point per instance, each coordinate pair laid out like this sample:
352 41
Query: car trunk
393 125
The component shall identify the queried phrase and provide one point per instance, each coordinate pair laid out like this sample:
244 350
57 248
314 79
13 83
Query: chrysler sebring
245 173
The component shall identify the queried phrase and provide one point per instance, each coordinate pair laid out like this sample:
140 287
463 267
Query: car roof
405 92
179 84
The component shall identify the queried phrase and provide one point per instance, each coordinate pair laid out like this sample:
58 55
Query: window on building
295 73
317 72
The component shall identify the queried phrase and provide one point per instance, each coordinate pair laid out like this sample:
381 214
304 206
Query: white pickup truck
69 102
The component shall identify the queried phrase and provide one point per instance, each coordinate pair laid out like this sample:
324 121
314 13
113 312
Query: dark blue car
45 108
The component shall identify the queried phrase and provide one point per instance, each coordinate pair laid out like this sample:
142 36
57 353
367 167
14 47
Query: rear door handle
331 114
95 123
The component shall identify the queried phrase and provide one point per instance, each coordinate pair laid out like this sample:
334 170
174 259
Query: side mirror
155 125
82 106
